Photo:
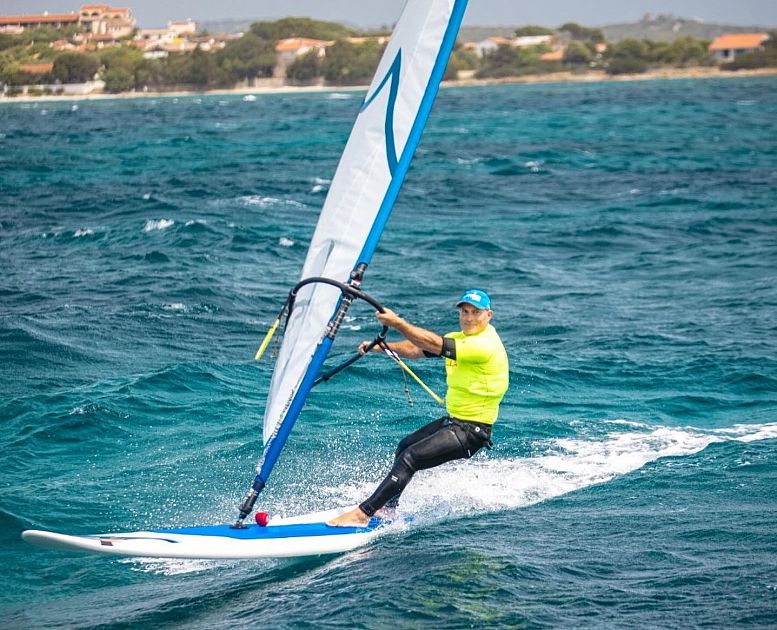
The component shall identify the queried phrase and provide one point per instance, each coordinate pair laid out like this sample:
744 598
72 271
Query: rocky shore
555 77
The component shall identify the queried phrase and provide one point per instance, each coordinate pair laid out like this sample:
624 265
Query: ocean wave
567 465
152 225
748 432
262 201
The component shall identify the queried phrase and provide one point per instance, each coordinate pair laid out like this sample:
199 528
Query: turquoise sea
627 233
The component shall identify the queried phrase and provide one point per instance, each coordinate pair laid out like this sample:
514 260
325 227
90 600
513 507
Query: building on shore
726 47
99 22
178 36
106 21
490 44
16 24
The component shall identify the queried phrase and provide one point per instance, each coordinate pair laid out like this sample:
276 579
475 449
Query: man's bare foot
351 518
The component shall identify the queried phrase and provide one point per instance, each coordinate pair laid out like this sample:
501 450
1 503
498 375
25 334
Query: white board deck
307 535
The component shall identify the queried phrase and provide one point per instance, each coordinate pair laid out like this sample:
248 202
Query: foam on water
176 566
486 484
263 201
157 224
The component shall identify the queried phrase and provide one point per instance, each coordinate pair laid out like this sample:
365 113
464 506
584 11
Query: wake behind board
307 535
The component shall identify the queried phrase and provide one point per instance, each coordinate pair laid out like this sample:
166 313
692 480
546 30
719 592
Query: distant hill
243 25
667 28
664 27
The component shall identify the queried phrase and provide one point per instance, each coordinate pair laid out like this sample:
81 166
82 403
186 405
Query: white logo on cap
473 296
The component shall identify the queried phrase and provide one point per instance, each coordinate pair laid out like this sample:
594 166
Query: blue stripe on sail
398 176
393 74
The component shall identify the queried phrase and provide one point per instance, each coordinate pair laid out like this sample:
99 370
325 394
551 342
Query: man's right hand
389 318
364 345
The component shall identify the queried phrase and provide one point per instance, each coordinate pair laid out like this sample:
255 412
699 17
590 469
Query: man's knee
407 458
404 467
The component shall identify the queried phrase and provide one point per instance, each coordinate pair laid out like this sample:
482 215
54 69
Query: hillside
661 28
667 28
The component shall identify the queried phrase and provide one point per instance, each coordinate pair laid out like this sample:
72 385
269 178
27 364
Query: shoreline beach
555 77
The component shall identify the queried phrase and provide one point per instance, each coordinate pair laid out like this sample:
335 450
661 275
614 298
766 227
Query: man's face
472 319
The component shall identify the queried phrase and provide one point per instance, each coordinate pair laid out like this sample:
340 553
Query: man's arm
417 341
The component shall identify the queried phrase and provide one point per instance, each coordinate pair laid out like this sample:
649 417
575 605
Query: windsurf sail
362 194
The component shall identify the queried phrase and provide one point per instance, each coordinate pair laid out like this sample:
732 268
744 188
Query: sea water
627 233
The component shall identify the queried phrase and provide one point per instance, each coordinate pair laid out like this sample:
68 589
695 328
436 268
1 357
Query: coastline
555 77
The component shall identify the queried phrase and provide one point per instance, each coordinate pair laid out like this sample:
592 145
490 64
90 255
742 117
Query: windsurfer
477 376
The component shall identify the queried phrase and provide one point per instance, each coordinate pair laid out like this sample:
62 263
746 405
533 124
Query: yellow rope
404 366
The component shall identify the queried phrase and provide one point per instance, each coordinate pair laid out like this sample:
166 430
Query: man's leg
442 445
422 433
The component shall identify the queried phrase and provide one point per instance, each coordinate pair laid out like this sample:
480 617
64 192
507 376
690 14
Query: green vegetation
630 56
581 33
300 27
75 67
119 68
253 56
578 53
305 69
248 57
351 64
531 30
684 51
508 61
461 59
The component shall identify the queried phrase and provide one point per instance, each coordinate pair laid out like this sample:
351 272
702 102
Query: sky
376 13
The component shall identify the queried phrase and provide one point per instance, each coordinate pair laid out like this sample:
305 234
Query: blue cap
476 297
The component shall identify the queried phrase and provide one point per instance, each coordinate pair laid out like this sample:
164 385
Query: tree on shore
119 68
149 73
351 64
305 68
248 57
578 53
75 67
582 33
461 59
508 61
684 51
300 27
628 56
532 30
118 80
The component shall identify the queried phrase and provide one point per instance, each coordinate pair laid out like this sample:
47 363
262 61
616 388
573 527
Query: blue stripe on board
255 532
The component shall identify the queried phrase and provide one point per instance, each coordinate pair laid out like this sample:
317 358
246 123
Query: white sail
367 180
